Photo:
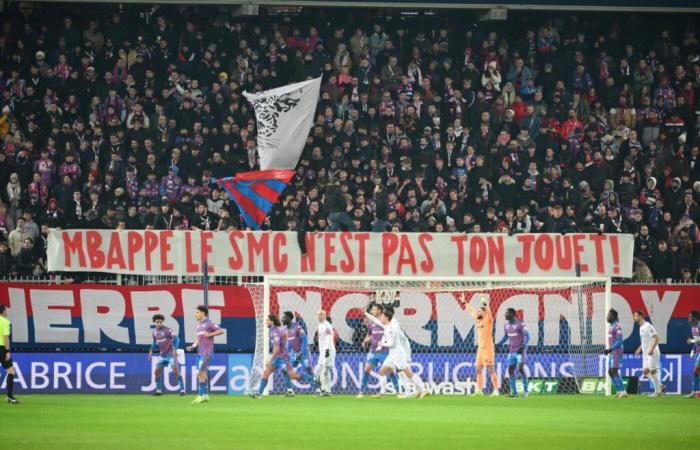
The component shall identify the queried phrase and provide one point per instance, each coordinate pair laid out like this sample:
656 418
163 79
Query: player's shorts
515 358
485 357
396 361
652 362
376 359
5 363
326 362
203 362
165 361
614 360
281 363
299 361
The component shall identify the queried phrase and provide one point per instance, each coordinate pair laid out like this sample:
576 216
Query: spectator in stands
6 223
26 259
7 262
663 262
556 222
17 236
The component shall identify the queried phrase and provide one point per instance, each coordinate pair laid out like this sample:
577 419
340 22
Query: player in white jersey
399 357
650 349
326 353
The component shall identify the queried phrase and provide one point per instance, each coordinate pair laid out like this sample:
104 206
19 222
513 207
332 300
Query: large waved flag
284 116
256 192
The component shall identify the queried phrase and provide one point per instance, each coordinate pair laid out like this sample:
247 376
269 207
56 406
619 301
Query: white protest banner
167 252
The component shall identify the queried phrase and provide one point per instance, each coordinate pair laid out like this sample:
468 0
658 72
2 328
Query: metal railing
149 280
130 280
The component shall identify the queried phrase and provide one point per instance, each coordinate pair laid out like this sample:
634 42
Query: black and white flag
285 116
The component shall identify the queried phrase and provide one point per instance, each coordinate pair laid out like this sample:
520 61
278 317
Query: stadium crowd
545 125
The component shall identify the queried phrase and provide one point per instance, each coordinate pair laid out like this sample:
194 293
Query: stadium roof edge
640 6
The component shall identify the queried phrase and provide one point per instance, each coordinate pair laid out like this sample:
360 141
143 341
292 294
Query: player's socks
363 383
287 381
415 379
307 377
382 385
395 381
200 389
696 383
479 382
494 382
619 384
10 385
403 381
263 385
205 389
159 385
326 383
523 377
656 382
616 384
181 383
513 388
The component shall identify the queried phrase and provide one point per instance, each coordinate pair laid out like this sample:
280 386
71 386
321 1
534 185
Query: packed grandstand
425 123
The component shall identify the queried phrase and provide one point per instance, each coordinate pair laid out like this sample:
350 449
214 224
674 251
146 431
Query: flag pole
205 292
205 283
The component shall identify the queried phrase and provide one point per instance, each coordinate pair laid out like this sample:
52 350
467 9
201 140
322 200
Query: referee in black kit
5 356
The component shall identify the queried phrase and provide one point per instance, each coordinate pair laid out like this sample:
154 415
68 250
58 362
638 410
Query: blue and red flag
284 116
256 192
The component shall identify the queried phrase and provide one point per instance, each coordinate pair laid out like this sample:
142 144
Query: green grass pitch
127 422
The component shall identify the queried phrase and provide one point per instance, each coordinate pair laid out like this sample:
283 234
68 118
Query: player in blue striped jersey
518 337
297 347
165 342
694 320
614 352
377 354
279 357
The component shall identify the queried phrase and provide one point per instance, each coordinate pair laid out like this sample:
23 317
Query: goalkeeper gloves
328 353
